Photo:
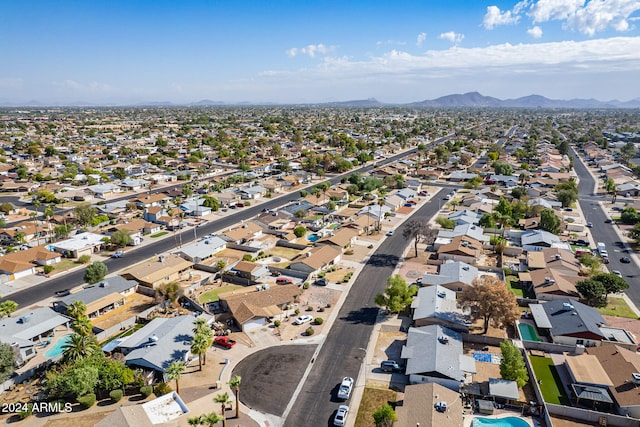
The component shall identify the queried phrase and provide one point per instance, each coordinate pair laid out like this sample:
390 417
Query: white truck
602 249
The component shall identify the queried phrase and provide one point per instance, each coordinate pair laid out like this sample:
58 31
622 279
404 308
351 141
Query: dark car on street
625 260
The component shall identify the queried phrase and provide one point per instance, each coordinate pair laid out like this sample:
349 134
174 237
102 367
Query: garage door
255 323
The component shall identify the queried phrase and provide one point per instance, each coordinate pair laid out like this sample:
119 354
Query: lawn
617 307
517 291
282 252
64 265
160 234
549 380
212 295
372 399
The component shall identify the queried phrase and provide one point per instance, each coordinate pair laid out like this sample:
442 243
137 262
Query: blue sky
121 52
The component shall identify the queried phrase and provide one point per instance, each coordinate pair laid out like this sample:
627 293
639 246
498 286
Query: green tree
75 380
62 230
234 383
502 168
512 365
630 216
78 347
447 223
491 300
170 292
121 238
187 190
223 400
592 291
504 207
493 156
7 361
174 371
199 345
591 261
6 208
7 307
84 214
549 221
397 295
119 173
211 202
95 272
567 197
300 231
634 233
612 283
384 416
76 309
487 221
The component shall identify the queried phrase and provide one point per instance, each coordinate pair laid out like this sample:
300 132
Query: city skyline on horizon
124 53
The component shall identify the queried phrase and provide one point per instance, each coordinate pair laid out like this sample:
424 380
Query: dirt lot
136 303
389 346
631 325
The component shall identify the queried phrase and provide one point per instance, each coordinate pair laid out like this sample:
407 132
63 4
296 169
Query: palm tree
48 214
78 347
76 309
34 215
82 326
234 383
222 399
205 420
199 346
174 371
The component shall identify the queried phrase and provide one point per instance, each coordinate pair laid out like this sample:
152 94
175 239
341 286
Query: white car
617 273
341 416
117 254
345 388
303 319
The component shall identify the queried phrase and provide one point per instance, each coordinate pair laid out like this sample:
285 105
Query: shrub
87 400
146 391
318 320
116 395
348 252
276 323
321 309
26 412
328 305
305 285
47 269
247 257
161 389
309 308
84 259
309 331
297 311
507 271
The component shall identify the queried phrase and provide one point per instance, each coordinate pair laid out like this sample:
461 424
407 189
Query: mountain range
466 100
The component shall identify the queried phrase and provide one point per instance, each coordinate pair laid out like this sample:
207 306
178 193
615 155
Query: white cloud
495 17
535 32
420 39
588 17
390 43
310 50
451 36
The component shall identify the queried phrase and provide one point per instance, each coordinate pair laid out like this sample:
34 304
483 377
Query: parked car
625 260
390 366
345 388
589 224
341 416
62 293
605 259
117 254
608 221
581 242
321 282
303 319
617 273
283 281
224 341
447 197
389 233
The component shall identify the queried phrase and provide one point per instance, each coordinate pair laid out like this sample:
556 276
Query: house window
28 352
580 342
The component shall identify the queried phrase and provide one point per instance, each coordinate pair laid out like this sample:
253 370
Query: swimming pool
499 422
528 332
58 347
313 237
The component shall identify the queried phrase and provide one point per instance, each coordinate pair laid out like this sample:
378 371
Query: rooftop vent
25 319
442 294
567 306
161 258
465 267
258 288
444 339
153 338
558 256
635 378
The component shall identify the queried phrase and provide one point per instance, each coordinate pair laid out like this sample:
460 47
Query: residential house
315 259
251 310
461 248
132 184
155 213
16 265
149 200
154 413
551 284
622 368
421 403
343 238
100 298
569 322
202 250
103 191
457 176
537 240
252 192
437 305
465 216
250 270
453 275
245 233
159 343
81 244
406 193
469 230
434 354
26 330
162 270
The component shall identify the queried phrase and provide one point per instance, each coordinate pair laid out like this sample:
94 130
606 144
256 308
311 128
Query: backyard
212 295
372 399
549 380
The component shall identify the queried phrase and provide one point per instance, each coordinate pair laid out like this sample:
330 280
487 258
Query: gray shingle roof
565 322
428 353
30 324
439 302
451 272
99 290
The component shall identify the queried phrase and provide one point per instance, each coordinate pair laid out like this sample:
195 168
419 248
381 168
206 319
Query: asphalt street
606 233
344 349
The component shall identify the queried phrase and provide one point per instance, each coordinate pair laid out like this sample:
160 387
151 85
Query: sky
121 52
